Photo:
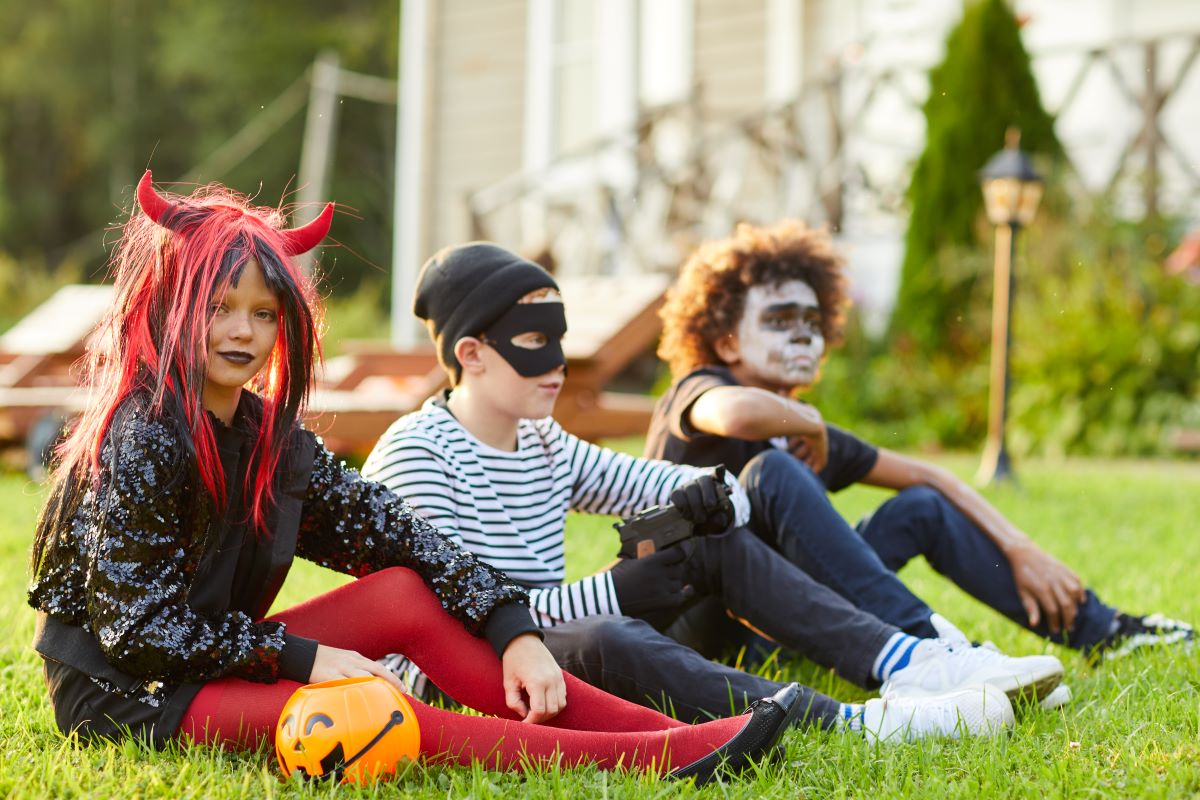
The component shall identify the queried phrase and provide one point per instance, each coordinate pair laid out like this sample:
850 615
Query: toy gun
655 528
652 529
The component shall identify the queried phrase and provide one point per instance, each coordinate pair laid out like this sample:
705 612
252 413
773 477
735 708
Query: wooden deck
611 321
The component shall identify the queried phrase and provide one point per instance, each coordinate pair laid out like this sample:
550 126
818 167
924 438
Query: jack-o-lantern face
353 729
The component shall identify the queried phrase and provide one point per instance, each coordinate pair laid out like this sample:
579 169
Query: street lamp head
1011 187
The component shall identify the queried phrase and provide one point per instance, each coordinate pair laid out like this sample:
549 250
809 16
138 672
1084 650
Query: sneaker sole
1056 699
1036 688
1141 642
1039 689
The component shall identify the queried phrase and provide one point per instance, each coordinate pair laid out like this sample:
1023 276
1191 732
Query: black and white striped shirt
510 508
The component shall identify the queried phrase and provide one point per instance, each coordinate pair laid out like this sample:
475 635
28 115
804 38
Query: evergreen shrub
1105 357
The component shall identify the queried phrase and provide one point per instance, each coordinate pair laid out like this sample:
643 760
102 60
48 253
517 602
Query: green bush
1105 358
983 85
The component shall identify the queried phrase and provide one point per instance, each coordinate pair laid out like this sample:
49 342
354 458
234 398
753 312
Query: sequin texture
124 568
357 526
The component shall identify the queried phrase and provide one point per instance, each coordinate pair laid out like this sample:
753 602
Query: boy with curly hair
745 328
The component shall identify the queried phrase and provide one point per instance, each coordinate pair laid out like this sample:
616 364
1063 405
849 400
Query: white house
617 132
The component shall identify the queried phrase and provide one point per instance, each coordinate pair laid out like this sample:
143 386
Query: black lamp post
1011 192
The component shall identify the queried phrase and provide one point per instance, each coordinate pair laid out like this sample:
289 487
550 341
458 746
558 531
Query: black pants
792 513
628 658
740 575
735 574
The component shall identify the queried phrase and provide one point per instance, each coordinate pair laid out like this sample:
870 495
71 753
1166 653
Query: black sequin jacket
149 592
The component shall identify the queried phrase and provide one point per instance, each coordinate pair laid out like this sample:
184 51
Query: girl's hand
531 672
332 663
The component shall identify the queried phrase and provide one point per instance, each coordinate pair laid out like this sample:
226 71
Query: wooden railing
831 155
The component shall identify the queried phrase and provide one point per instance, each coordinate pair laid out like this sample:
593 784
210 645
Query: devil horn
155 206
306 237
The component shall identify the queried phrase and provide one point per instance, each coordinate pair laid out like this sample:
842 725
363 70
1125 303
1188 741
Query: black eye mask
548 319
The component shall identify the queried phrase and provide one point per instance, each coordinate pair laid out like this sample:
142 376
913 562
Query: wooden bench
38 358
611 321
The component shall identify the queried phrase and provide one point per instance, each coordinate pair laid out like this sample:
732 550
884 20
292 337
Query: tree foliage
1106 347
983 85
91 93
1105 357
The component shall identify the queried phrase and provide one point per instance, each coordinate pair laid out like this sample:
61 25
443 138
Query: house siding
478 109
730 61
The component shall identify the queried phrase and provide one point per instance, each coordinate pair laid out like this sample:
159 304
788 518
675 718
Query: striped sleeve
412 467
584 598
604 481
607 482
420 459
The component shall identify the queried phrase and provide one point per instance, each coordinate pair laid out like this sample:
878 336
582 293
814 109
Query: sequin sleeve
139 569
357 526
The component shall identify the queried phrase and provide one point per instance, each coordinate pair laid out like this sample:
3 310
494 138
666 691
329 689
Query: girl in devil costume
181 497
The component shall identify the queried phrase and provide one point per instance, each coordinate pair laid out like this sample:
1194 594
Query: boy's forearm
743 412
554 605
997 527
895 471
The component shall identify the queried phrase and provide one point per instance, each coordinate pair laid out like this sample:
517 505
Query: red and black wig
174 261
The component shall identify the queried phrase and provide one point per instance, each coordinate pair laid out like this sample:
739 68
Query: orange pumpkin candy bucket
356 730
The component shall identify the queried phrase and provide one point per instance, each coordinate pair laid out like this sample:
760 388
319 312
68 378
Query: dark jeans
735 575
792 512
759 587
628 658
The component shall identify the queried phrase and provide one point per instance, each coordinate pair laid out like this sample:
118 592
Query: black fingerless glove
705 502
652 588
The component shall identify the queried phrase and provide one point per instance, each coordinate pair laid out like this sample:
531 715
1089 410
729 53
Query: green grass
1133 730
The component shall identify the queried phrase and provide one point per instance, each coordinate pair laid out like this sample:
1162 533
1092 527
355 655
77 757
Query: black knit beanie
464 289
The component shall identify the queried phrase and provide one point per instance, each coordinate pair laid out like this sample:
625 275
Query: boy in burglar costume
486 463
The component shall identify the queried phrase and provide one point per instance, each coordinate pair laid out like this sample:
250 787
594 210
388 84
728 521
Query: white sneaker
1059 697
977 711
948 630
936 666
1056 699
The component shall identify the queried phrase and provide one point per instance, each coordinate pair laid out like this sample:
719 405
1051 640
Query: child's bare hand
533 682
332 663
811 449
1049 589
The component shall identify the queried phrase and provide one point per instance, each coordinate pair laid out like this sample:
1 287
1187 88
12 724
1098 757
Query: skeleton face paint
779 336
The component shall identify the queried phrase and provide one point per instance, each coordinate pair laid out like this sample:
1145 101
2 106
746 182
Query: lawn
1133 729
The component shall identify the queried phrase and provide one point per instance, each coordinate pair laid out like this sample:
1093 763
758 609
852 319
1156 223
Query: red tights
393 611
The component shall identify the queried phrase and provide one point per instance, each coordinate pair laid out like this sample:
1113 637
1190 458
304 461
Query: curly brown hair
707 301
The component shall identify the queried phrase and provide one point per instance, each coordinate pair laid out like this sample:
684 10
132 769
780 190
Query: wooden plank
61 324
480 68
605 313
366 359
597 415
23 369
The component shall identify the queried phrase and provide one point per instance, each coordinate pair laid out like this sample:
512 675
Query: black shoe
1133 633
758 740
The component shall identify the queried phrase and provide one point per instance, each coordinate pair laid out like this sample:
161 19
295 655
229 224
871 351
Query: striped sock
894 655
852 716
